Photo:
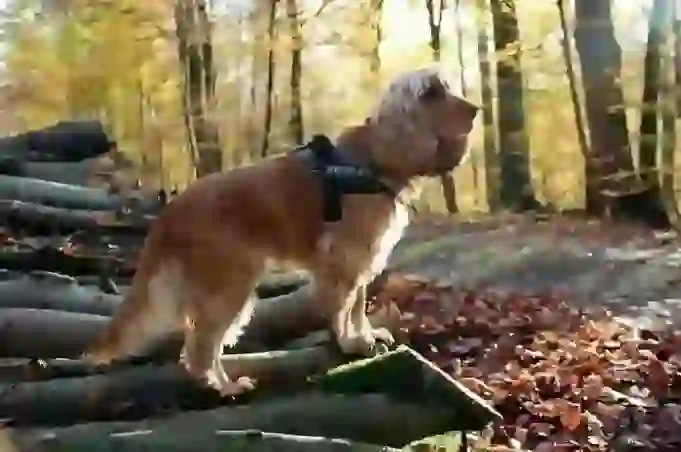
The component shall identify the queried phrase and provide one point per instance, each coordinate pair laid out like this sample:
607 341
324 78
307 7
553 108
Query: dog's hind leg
218 316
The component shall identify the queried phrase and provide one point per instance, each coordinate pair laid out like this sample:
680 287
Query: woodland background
189 87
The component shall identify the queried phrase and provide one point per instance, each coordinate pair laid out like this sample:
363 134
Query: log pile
61 281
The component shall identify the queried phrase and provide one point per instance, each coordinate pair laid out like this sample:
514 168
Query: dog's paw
233 388
370 344
383 335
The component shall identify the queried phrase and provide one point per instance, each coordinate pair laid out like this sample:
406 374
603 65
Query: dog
206 250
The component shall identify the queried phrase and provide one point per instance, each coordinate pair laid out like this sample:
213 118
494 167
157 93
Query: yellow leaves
87 59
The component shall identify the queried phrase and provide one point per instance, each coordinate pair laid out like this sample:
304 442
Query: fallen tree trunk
64 141
371 418
53 260
72 173
44 290
217 441
275 322
48 290
42 333
141 391
37 219
70 196
279 367
273 285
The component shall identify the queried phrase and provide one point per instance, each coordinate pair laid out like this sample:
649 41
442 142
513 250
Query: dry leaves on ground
564 379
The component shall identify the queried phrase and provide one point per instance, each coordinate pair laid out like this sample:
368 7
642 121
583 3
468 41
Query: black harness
339 176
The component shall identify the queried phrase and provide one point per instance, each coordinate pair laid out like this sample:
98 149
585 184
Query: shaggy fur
205 252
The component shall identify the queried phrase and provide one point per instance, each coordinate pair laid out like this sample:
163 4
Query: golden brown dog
205 252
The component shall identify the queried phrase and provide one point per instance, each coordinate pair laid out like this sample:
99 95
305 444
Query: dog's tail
150 311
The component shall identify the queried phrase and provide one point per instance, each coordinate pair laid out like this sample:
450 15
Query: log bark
39 220
64 141
43 290
371 418
146 390
71 196
272 285
53 260
46 333
42 333
217 441
279 367
47 290
73 173
276 320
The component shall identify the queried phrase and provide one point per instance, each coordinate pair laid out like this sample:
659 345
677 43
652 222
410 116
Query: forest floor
634 271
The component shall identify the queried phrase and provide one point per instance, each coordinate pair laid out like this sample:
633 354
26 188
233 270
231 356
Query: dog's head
422 127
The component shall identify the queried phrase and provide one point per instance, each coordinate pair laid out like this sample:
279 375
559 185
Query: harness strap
339 176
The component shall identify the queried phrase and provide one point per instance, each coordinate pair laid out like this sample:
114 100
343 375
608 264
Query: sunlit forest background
189 87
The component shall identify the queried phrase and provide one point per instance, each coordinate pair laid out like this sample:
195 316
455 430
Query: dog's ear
436 90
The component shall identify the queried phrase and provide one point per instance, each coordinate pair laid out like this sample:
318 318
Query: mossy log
47 290
36 220
204 441
369 418
54 260
46 333
145 390
67 196
63 141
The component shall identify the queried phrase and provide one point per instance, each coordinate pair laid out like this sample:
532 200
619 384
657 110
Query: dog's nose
472 108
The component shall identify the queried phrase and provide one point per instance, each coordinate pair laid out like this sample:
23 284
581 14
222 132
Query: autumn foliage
564 379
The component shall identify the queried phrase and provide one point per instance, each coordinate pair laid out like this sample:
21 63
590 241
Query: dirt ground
635 272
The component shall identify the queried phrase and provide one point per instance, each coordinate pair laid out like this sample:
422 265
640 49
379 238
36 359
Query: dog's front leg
336 294
360 321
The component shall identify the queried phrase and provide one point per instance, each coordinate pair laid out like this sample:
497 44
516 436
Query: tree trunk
474 158
39 220
676 31
487 97
516 186
195 51
669 109
205 441
295 123
372 417
651 93
653 104
271 35
619 191
576 106
435 26
375 18
72 196
459 47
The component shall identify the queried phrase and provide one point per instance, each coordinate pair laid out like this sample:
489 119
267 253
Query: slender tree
271 37
574 96
435 11
487 97
295 123
669 111
459 47
375 21
516 186
653 81
195 51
